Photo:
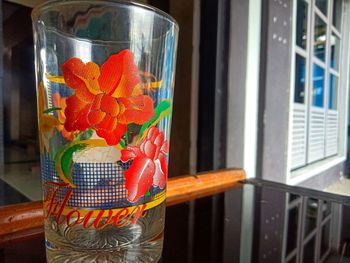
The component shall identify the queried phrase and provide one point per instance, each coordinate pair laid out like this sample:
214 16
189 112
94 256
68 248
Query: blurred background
261 85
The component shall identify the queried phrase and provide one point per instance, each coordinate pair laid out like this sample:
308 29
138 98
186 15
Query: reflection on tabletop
265 222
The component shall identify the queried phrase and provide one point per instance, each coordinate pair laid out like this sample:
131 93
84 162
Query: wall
274 90
1 94
324 179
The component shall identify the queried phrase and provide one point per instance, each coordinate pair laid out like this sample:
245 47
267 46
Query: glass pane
337 13
335 51
322 5
292 234
299 93
333 92
325 238
320 38
301 24
311 215
318 86
309 251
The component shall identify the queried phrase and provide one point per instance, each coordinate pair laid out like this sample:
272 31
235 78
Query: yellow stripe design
56 79
147 85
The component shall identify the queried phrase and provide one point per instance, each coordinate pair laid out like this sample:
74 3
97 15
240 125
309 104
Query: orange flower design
60 102
105 99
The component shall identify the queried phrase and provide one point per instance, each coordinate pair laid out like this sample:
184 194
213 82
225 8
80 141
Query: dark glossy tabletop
254 222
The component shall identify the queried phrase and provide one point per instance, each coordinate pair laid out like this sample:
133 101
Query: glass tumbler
105 77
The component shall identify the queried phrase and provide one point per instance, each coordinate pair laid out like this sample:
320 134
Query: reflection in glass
293 197
299 92
320 38
309 251
325 238
292 234
311 215
318 86
301 24
333 92
335 51
322 5
326 209
337 13
292 260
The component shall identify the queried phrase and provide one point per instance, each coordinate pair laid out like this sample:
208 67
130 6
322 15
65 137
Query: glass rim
47 4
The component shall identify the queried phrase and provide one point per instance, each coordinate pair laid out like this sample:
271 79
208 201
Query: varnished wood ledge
190 187
24 221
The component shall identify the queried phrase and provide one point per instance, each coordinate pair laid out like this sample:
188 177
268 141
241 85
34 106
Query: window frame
308 170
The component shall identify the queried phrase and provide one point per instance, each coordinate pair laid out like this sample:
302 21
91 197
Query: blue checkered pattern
98 185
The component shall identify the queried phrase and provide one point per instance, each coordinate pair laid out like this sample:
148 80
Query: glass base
139 242
147 252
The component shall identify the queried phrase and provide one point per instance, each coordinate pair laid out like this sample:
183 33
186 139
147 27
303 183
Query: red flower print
105 99
149 164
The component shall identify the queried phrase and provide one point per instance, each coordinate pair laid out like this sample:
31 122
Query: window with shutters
316 79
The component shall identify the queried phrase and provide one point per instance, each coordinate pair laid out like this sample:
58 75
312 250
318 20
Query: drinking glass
105 77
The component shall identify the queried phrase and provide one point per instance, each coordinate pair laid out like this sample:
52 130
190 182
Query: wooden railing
25 221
